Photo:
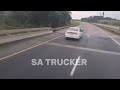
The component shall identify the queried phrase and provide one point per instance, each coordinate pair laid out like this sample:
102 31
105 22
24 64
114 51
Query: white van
74 32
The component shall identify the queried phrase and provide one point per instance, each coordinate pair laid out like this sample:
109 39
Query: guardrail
20 31
113 29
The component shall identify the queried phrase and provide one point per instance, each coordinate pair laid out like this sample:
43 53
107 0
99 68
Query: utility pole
103 14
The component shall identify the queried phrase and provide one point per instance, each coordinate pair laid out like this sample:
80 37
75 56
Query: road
101 49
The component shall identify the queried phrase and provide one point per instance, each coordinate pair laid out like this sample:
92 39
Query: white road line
74 67
111 37
85 49
114 39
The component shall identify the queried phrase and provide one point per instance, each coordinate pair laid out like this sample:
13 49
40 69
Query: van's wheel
78 39
66 38
54 30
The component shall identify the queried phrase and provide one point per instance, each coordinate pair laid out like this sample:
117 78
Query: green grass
9 27
75 23
117 32
110 22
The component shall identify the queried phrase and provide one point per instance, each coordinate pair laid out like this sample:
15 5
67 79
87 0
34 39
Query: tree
59 18
38 18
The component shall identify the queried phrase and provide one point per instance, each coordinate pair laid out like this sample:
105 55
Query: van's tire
78 39
54 30
66 38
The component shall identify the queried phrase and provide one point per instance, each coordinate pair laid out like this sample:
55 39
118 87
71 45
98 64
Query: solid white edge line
110 37
114 39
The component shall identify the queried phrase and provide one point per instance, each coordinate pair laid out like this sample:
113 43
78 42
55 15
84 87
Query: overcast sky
82 14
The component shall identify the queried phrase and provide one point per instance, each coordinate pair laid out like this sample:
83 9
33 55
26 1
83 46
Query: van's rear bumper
72 36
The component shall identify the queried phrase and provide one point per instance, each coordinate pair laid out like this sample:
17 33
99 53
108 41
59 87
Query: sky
84 14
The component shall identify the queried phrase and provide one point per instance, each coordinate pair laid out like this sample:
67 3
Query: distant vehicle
74 32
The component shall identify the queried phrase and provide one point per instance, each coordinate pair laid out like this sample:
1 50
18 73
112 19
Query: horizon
85 14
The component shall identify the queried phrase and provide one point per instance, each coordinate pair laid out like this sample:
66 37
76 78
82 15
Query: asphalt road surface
99 48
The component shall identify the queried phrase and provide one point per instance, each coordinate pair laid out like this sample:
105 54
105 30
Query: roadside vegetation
110 22
34 19
75 23
102 20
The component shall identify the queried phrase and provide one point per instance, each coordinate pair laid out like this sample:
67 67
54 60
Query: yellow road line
29 48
